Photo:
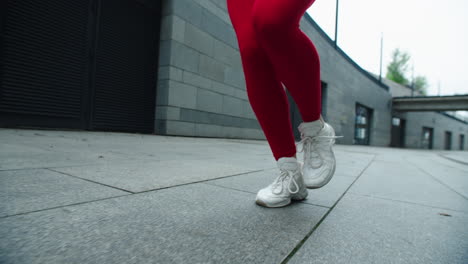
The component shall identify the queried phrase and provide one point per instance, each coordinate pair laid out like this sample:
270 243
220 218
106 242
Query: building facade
173 67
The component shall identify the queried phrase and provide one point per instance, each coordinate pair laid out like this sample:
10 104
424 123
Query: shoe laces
311 146
288 176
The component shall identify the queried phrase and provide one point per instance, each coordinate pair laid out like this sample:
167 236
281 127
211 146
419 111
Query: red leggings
274 51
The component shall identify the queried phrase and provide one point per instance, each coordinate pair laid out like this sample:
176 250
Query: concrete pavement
103 197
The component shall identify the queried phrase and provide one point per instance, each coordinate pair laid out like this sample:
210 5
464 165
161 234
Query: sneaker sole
326 180
264 204
299 197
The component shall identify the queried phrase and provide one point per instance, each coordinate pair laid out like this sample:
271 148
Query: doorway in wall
398 132
462 142
427 137
448 140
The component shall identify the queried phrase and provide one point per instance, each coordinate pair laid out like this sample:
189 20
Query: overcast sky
433 32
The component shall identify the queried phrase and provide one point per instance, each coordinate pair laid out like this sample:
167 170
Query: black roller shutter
125 67
43 62
87 64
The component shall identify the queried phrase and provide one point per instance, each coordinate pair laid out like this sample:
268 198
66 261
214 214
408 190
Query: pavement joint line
200 181
129 192
301 243
234 189
439 181
452 159
61 206
88 180
452 166
45 168
407 202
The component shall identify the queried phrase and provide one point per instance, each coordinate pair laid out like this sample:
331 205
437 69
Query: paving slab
14 156
406 182
449 173
351 164
457 156
368 230
253 182
139 176
197 223
23 191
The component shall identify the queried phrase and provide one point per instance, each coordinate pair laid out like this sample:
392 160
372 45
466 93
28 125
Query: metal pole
336 24
438 88
412 80
381 51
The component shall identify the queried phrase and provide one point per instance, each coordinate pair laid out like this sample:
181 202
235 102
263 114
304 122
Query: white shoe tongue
288 165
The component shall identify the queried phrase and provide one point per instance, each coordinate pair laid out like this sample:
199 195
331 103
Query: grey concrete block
184 57
166 27
180 128
182 95
178 29
220 3
199 40
215 10
196 116
366 230
223 88
247 110
232 106
163 72
168 72
207 130
27 190
214 25
162 92
253 133
187 224
188 10
196 80
167 112
231 132
241 94
164 57
235 77
211 68
160 126
227 54
209 101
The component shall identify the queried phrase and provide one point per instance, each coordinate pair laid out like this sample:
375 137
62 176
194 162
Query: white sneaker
319 163
289 185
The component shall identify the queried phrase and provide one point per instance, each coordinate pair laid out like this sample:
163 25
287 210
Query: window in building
362 125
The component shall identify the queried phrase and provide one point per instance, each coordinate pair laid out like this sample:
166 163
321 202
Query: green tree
420 84
398 66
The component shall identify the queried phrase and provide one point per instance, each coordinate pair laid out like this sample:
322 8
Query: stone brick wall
201 86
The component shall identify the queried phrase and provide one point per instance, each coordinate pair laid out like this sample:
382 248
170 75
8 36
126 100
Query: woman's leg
292 53
264 89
